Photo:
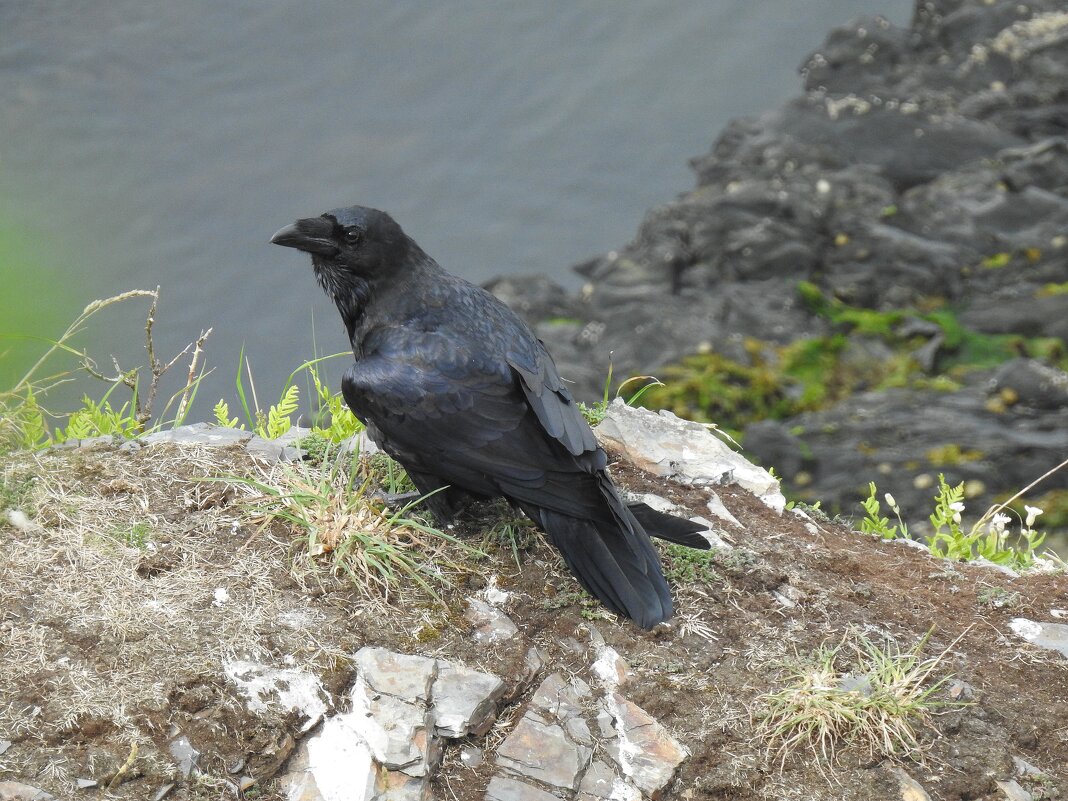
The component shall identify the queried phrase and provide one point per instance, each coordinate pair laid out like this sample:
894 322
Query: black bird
456 387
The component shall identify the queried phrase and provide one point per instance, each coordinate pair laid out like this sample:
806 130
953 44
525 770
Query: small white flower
999 521
222 595
1032 513
956 507
890 501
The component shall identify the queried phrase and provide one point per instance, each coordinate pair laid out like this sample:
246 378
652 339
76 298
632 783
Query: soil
135 580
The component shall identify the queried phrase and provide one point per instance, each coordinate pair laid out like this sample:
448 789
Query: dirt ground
133 581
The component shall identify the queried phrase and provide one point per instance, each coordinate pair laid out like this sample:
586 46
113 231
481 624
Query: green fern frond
279 416
222 415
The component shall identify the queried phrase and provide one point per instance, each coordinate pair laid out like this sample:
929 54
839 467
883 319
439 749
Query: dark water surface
146 143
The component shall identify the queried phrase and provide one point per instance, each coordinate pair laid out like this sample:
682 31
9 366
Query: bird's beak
312 235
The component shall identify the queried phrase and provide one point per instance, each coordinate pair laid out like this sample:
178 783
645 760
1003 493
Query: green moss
997 261
1050 290
15 489
779 381
952 454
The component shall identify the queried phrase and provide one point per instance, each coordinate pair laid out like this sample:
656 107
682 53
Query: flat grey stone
909 788
163 791
1052 636
465 700
687 452
97 442
1013 791
490 624
294 434
503 788
199 434
267 449
644 751
184 754
85 784
579 731
544 753
17 791
562 700
406 677
602 782
396 731
4 745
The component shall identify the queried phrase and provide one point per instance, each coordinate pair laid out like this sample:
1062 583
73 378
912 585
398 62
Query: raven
456 387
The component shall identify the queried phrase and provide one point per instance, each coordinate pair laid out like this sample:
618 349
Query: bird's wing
471 420
550 400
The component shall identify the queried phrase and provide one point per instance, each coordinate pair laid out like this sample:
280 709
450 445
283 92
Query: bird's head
348 246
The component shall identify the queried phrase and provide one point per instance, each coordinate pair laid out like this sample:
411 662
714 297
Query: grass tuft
857 694
335 517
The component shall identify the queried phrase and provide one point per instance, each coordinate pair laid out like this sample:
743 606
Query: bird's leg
396 499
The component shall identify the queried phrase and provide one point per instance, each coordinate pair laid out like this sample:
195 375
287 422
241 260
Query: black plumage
457 388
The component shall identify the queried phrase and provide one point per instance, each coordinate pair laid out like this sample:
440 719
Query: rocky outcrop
922 176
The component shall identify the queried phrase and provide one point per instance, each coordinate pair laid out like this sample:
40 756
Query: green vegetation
997 598
595 414
26 424
779 381
686 567
989 538
135 536
857 694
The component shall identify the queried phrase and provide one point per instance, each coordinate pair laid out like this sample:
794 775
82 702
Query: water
146 143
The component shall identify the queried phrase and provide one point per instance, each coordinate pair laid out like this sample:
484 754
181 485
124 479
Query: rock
406 677
199 434
266 449
1033 383
472 757
506 788
543 752
4 745
602 782
684 451
281 688
184 754
1052 636
611 668
1013 791
909 788
16 791
163 791
398 732
490 624
465 701
559 699
645 753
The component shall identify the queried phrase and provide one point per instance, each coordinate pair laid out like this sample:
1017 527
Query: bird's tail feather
669 527
615 562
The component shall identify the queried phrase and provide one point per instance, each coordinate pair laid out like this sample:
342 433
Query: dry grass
128 575
856 694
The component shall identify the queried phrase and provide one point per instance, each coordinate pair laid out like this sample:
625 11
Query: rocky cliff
870 282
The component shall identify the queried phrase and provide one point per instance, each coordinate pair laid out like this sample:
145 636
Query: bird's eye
352 236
